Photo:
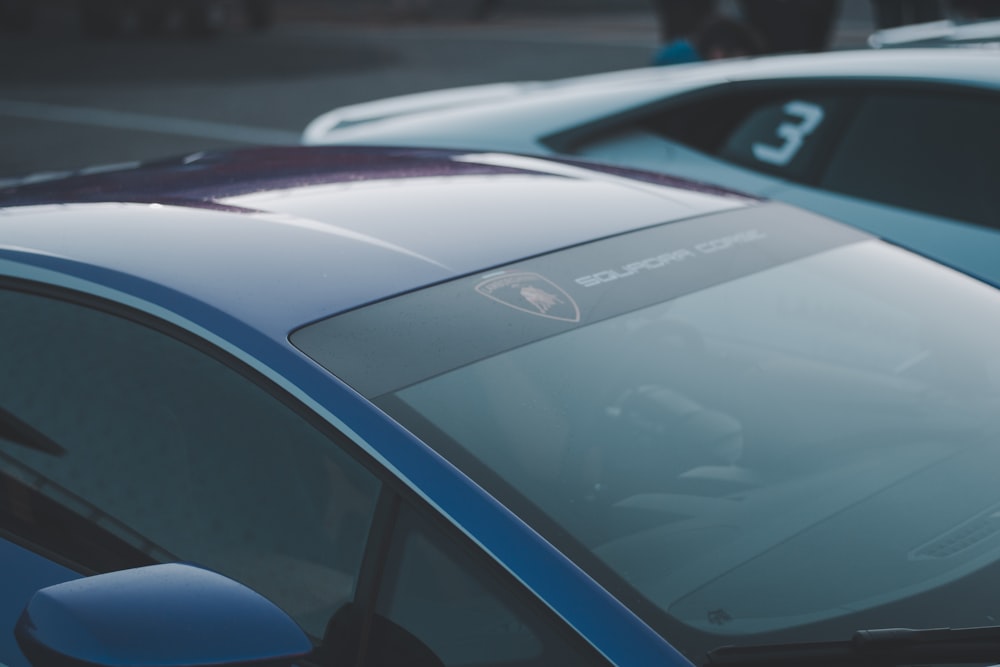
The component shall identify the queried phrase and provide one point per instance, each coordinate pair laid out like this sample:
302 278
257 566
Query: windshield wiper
886 646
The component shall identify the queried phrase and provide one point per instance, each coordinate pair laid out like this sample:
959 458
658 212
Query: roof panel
277 256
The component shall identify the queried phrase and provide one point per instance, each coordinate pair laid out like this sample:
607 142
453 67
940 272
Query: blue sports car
375 406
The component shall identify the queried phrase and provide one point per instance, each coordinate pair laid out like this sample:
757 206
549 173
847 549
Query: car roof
983 33
282 236
966 66
528 113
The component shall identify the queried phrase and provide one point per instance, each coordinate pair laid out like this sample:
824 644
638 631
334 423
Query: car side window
453 601
780 132
933 152
786 136
178 454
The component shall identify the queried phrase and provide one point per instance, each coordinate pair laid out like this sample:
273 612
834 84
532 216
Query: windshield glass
803 448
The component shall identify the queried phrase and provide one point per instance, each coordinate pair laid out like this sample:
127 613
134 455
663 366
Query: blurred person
894 13
788 26
976 9
718 37
680 19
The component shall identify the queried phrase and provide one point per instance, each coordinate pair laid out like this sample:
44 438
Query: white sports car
904 143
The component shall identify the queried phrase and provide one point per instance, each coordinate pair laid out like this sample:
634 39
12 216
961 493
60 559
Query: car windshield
822 423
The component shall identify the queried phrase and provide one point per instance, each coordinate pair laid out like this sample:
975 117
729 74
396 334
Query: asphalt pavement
617 17
69 102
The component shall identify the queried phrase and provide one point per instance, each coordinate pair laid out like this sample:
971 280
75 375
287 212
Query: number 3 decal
794 134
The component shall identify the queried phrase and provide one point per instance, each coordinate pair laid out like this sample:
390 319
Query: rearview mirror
163 615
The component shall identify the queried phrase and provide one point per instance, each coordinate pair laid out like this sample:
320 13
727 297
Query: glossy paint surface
333 241
171 614
523 119
549 118
269 253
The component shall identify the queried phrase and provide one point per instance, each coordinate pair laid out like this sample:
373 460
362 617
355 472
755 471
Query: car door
126 442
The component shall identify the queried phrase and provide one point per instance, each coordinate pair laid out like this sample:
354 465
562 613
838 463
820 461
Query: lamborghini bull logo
530 293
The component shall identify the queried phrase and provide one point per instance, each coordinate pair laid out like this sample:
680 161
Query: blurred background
75 95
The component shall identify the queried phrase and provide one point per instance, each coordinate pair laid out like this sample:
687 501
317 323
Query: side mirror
171 615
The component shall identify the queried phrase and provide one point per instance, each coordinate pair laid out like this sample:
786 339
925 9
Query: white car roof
517 115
